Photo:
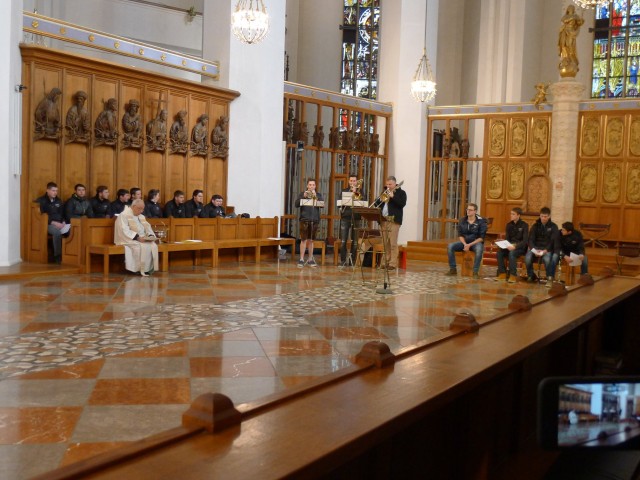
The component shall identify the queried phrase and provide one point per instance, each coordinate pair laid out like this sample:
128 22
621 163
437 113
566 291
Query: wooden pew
412 415
37 251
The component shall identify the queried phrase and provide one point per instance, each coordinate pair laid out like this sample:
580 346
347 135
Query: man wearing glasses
471 231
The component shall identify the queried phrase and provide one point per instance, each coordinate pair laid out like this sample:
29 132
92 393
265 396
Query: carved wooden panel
540 137
497 138
611 183
516 181
495 181
587 183
633 184
613 136
590 138
538 193
634 136
518 137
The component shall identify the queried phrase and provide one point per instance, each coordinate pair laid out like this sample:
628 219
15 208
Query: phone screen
589 412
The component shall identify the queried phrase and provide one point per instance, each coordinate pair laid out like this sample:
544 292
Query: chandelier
423 87
250 21
590 3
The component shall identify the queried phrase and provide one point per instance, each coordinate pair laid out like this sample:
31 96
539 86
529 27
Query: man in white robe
134 232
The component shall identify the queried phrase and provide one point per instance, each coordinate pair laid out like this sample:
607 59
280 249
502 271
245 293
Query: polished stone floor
89 363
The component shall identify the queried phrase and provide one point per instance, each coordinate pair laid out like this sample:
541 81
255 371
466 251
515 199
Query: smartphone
589 412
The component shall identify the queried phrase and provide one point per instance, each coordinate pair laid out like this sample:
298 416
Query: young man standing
517 234
392 209
544 245
472 229
309 220
346 224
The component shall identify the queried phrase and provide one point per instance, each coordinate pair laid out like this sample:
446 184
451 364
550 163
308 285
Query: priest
134 232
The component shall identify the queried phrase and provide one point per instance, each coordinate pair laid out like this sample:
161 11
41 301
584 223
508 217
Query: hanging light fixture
590 3
423 87
250 21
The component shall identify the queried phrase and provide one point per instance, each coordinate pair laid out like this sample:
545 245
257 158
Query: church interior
231 359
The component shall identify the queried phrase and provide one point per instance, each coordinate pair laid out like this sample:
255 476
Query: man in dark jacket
571 241
348 222
214 208
309 220
472 229
392 202
544 245
175 207
54 208
78 205
517 234
193 208
117 206
100 203
152 208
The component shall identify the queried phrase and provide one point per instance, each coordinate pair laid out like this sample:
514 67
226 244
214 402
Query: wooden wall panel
216 174
630 228
68 163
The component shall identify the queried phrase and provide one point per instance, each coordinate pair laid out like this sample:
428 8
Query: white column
567 93
255 173
10 134
403 37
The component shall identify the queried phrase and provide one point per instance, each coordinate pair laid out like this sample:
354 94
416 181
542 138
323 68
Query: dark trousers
345 226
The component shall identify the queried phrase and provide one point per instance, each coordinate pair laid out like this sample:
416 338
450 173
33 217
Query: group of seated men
78 205
543 243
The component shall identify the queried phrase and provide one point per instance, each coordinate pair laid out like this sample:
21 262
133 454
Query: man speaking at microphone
396 199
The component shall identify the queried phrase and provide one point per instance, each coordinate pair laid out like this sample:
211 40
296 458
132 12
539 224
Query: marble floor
89 363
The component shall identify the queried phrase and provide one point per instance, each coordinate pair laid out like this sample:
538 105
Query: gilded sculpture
590 136
464 148
318 136
78 123
132 125
537 169
518 137
497 138
47 116
516 181
178 137
633 185
495 181
374 146
540 137
199 136
634 137
541 94
334 138
220 138
106 125
569 30
611 183
613 137
588 182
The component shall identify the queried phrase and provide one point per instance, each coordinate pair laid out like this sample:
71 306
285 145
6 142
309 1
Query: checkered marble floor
89 363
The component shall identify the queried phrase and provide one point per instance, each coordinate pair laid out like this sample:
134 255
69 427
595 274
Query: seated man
134 232
134 192
100 203
54 208
571 241
175 207
517 234
117 206
152 208
544 245
78 205
214 208
193 208
471 230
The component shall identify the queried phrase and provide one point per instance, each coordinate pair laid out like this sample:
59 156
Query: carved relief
613 137
611 183
157 132
516 181
538 169
105 127
540 137
47 117
132 125
497 138
495 181
199 137
178 136
590 136
518 137
538 194
634 137
633 184
588 180
220 138
78 123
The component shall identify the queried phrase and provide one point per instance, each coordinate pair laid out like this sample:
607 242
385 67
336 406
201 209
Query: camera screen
597 414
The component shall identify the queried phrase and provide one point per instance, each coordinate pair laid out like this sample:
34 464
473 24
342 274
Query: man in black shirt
544 245
517 234
117 206
193 208
392 203
152 208
214 208
54 208
100 203
347 223
175 207
571 241
78 205
134 194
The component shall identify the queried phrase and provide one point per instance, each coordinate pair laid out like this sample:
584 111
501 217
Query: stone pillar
567 93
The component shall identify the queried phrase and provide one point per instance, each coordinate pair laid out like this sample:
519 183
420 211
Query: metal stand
373 215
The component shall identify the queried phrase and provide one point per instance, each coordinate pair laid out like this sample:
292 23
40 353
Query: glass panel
602 12
600 48
615 87
340 164
634 7
632 79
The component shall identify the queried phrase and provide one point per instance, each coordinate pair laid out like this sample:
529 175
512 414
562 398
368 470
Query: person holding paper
517 237
309 220
544 245
346 223
136 234
572 246
471 230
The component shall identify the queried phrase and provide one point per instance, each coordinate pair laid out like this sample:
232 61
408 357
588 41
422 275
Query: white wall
10 137
451 53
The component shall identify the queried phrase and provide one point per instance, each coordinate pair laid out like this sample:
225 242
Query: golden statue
569 30
541 94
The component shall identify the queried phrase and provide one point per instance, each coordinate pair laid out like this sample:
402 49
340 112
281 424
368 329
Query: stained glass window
616 50
360 28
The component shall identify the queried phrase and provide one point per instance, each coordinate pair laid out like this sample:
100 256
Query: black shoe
452 272
57 259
